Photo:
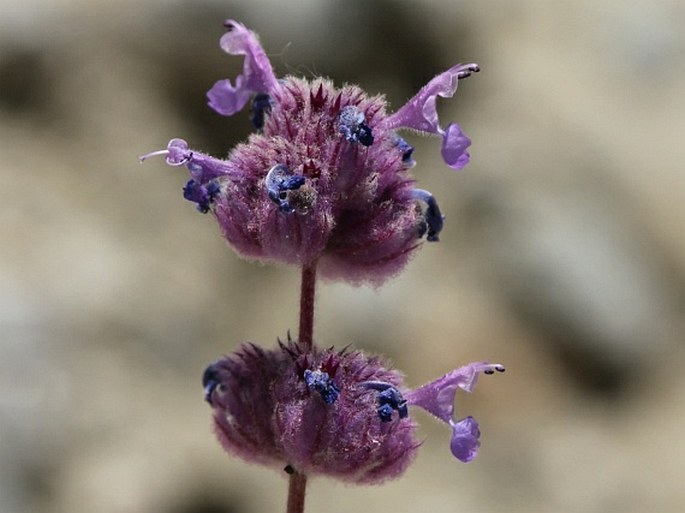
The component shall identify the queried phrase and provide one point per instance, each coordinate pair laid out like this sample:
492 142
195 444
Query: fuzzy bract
306 410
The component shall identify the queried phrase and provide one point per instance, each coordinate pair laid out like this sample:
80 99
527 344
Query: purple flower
420 114
326 177
335 413
437 398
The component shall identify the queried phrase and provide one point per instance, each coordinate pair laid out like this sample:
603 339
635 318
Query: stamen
321 382
351 125
279 180
143 158
433 217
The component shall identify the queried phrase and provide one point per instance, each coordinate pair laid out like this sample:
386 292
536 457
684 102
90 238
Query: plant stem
297 486
296 492
307 306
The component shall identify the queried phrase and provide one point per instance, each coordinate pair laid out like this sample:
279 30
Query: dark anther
465 73
497 367
406 150
210 382
201 194
389 399
279 180
385 412
351 124
289 469
321 382
261 105
433 218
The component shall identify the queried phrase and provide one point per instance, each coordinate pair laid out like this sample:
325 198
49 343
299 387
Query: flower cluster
336 413
325 177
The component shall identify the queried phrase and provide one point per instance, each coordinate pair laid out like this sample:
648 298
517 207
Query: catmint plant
324 184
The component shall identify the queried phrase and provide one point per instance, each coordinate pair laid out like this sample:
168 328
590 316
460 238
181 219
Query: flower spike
420 114
437 398
257 77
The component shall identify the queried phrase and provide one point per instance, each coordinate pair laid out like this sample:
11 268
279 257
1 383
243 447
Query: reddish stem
296 492
307 306
298 482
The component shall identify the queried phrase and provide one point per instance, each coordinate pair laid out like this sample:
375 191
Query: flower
331 412
326 176
437 398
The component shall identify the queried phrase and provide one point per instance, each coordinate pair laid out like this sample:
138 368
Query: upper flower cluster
326 176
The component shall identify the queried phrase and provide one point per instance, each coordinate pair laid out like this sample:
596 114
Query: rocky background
563 255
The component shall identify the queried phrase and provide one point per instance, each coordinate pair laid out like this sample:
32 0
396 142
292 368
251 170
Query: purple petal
257 77
465 443
454 144
419 113
226 98
437 397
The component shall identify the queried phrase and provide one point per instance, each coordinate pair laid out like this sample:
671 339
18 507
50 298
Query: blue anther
385 412
261 105
279 180
202 194
433 218
407 151
321 382
351 125
210 382
393 398
389 399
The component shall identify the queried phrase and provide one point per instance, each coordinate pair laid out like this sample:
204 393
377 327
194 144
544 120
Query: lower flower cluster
330 412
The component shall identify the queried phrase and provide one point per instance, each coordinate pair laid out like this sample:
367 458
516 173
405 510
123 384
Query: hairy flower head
326 176
330 412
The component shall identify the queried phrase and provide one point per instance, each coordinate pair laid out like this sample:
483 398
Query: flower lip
465 439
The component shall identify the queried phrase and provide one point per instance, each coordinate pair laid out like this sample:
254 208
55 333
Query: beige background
563 255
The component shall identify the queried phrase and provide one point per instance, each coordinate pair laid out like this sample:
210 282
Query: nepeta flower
337 413
326 176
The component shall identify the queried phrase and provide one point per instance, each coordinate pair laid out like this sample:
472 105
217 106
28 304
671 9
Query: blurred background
562 256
